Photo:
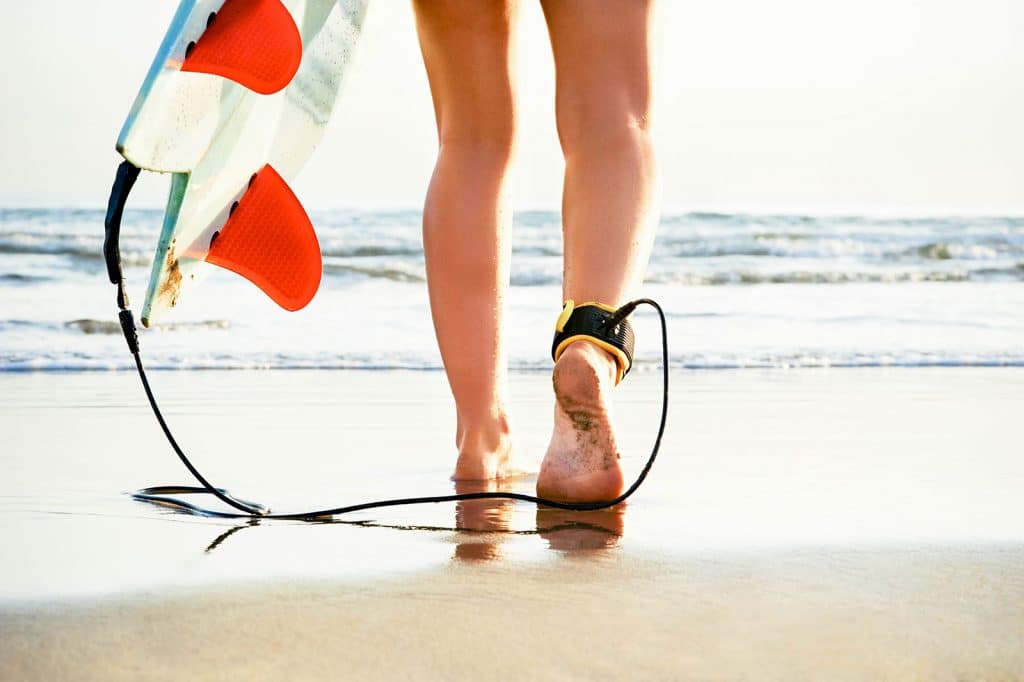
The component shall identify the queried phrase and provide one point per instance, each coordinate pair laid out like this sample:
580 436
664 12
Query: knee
485 137
586 125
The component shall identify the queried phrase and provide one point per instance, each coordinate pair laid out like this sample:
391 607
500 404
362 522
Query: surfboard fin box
269 240
252 42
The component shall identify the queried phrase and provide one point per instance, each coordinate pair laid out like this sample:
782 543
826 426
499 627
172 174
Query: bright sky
877 105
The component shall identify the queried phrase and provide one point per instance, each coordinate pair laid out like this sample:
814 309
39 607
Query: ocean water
740 291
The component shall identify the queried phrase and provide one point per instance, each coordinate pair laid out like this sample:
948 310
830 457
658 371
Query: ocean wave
401 272
397 272
21 278
79 250
976 251
370 251
1015 273
89 326
698 248
811 247
108 327
25 363
796 220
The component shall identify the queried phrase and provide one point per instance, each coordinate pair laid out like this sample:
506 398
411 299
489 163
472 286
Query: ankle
485 450
483 436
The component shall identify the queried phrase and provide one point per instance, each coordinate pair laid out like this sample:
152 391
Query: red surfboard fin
252 42
269 240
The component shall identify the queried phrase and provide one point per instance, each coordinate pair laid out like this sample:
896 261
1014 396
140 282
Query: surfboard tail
239 87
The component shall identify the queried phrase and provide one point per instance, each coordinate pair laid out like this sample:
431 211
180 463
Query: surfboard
237 98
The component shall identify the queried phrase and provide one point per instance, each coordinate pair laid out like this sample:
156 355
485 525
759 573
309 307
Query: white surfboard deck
214 134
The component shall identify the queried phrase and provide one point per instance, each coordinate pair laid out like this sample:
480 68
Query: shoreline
640 366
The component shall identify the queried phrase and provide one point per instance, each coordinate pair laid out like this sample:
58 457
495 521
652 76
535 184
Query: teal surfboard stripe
179 183
162 54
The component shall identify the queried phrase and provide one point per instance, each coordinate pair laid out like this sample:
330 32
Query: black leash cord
126 176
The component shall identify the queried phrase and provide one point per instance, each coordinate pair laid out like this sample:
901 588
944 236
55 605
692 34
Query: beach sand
813 524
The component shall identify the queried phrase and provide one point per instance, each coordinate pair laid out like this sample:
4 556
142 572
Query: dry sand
900 615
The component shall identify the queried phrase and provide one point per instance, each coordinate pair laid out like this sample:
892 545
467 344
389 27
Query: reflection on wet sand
228 533
482 526
481 523
574 531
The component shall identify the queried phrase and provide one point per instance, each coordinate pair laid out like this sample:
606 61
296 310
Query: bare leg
466 47
603 76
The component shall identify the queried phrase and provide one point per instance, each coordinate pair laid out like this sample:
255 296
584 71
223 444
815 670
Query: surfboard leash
127 174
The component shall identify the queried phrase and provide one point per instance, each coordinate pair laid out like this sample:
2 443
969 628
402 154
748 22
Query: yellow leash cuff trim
621 360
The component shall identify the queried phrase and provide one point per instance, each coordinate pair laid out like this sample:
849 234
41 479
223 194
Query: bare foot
582 462
485 454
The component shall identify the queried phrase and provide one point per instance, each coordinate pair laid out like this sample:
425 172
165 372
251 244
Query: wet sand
826 524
